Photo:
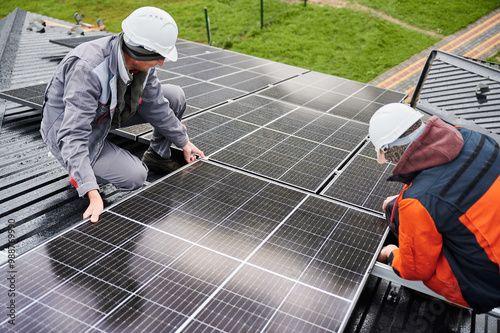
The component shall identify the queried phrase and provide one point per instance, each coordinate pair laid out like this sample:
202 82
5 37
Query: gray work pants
124 170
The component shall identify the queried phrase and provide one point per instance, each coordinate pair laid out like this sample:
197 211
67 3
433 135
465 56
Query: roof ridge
10 34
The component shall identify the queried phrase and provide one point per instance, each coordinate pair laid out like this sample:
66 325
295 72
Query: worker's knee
119 167
176 98
134 178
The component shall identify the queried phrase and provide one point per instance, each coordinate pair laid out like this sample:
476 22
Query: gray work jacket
80 101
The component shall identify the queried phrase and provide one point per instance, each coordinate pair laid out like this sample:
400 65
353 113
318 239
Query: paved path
480 40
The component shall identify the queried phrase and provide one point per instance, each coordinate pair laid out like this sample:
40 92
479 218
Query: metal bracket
387 273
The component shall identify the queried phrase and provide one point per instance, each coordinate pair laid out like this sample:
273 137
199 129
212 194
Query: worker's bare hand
96 206
191 153
386 252
386 201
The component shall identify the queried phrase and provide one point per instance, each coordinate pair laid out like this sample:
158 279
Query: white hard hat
152 28
389 123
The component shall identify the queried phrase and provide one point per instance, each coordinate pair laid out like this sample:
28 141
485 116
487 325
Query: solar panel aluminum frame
480 70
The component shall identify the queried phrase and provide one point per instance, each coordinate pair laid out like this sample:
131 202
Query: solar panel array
276 231
206 249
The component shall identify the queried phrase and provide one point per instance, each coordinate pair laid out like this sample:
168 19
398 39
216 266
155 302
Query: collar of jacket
406 178
122 69
439 143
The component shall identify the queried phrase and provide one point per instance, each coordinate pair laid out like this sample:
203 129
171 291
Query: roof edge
10 34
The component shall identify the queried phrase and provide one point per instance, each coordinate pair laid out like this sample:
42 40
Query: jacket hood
439 143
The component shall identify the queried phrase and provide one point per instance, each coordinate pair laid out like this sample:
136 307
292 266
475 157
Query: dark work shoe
157 163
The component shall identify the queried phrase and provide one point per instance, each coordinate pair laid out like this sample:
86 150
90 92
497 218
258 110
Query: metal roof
460 91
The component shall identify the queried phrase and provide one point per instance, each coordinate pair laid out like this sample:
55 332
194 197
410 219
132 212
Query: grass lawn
345 42
442 16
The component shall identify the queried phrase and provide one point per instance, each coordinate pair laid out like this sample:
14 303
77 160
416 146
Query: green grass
495 58
441 16
343 42
340 42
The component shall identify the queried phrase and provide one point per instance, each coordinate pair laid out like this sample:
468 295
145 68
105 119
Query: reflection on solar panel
205 249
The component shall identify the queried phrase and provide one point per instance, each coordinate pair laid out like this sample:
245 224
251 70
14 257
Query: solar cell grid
325 101
278 70
349 87
214 73
321 80
348 136
304 308
349 99
350 107
304 95
272 248
225 57
182 81
363 182
263 115
251 63
390 96
369 92
205 100
294 150
282 90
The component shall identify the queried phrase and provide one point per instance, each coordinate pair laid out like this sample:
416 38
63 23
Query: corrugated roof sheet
460 91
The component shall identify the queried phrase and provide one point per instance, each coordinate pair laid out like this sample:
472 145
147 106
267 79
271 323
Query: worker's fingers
192 153
95 216
93 213
87 213
387 201
199 153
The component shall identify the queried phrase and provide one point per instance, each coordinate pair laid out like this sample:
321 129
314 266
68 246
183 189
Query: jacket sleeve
160 114
80 97
419 242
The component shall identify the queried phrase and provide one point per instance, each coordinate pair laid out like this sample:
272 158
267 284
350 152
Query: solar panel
297 146
363 182
283 157
32 96
76 40
290 141
206 248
